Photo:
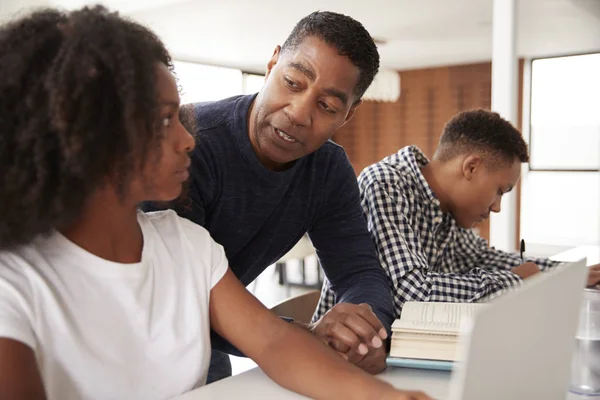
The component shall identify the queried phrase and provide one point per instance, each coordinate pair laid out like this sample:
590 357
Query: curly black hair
77 105
345 34
485 131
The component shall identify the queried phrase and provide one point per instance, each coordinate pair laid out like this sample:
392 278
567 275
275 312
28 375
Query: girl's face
166 168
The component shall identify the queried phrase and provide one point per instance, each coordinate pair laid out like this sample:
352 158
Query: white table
591 252
255 385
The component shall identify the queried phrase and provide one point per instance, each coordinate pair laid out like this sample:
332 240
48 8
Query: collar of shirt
415 160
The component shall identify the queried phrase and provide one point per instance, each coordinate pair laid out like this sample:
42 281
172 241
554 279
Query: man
264 173
420 213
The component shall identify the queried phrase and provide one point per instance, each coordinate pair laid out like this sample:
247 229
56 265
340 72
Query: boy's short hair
484 131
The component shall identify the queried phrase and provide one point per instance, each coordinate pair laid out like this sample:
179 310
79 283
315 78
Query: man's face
481 188
308 95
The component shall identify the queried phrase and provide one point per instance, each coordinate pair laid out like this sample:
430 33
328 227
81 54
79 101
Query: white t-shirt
103 330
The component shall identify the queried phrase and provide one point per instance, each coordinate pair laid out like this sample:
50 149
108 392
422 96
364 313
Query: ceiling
416 34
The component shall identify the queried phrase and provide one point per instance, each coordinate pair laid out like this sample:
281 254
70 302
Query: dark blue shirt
258 215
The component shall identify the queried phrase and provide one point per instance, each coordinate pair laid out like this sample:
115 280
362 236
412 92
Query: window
561 191
565 122
252 83
200 82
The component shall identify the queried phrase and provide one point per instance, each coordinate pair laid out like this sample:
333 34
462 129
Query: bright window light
200 82
565 122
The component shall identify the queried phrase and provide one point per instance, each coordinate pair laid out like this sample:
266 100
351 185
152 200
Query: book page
441 317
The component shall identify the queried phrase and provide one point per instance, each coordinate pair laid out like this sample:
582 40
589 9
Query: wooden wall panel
428 99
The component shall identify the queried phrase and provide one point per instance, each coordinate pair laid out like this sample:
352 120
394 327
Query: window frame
530 142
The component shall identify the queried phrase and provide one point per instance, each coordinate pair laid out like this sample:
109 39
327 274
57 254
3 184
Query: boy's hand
593 275
526 270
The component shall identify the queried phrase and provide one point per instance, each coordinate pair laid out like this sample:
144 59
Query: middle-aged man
264 173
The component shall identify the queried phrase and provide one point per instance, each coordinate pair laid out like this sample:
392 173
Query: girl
99 300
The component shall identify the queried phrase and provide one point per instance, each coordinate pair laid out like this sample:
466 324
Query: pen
522 249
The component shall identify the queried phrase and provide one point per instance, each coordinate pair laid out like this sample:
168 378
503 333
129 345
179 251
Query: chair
301 308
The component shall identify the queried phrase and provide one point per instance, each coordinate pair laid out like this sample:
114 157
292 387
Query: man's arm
345 249
400 252
363 310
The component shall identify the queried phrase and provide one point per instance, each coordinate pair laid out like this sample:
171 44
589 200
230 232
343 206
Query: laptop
520 347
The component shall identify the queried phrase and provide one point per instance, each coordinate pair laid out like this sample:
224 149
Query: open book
430 331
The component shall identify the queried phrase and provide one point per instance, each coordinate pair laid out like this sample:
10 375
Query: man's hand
356 333
593 275
373 362
526 270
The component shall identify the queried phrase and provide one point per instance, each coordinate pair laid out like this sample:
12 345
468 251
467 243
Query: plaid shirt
426 255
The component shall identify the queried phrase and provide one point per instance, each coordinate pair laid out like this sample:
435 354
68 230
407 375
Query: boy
420 213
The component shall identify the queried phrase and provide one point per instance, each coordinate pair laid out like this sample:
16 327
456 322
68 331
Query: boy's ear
471 165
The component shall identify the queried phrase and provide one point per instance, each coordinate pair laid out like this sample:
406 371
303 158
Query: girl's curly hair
77 105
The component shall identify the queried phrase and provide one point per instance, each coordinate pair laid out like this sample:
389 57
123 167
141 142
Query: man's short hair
347 36
484 131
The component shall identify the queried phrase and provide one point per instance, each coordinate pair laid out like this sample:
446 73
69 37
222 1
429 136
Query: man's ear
471 165
351 112
273 60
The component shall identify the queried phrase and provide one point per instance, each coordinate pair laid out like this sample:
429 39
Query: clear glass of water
585 367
